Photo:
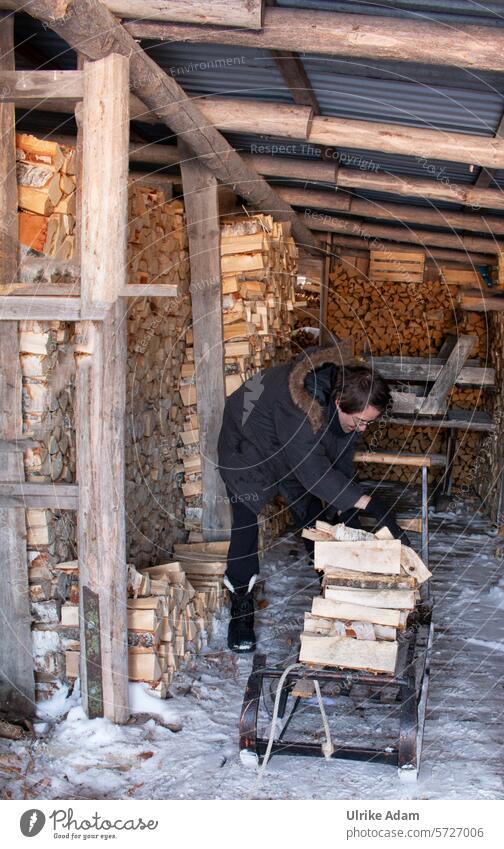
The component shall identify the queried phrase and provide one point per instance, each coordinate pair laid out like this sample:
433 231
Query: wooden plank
367 556
376 656
475 301
427 370
41 308
436 399
17 684
454 419
296 79
101 351
336 34
462 277
202 217
149 290
63 496
105 129
32 87
351 610
401 459
58 496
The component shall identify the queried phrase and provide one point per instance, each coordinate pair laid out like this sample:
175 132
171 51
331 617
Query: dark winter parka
281 434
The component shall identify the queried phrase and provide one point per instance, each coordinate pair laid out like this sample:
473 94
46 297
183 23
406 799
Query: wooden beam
82 26
435 402
354 226
475 300
419 370
149 290
101 352
295 122
349 35
316 170
40 308
17 683
434 256
296 79
105 132
396 212
324 334
423 144
32 87
232 13
202 219
486 175
40 495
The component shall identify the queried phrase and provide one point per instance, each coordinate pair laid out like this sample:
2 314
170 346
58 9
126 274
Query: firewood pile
408 319
370 586
158 253
46 196
392 318
170 619
258 270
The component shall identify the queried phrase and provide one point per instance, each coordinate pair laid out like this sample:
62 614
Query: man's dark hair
357 386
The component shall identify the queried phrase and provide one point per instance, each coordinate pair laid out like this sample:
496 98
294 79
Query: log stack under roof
258 271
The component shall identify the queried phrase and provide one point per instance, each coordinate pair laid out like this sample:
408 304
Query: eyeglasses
361 422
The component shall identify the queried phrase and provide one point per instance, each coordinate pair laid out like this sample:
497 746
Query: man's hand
384 517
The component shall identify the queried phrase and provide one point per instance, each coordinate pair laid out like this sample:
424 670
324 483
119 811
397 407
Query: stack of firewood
258 271
370 586
158 253
46 196
410 319
54 596
157 239
169 621
389 318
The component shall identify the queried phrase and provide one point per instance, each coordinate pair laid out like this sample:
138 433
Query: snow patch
60 703
491 644
141 702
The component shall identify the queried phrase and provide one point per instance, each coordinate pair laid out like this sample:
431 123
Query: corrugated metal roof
405 102
221 70
449 11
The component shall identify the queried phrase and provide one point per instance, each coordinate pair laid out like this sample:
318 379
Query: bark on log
350 35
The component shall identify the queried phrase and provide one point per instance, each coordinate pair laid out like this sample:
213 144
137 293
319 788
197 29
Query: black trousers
243 559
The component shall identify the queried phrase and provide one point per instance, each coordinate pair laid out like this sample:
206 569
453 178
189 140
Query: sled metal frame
411 677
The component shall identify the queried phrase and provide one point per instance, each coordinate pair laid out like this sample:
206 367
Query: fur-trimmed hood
311 359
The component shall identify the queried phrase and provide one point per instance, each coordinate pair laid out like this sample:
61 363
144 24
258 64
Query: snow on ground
190 751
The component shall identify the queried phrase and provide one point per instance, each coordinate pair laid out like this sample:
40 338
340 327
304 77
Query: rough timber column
101 390
202 216
17 684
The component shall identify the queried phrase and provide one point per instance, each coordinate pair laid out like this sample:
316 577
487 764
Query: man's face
357 421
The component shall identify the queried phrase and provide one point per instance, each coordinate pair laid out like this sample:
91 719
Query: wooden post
17 685
325 336
202 216
101 391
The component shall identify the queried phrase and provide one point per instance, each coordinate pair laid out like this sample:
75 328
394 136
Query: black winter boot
241 636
